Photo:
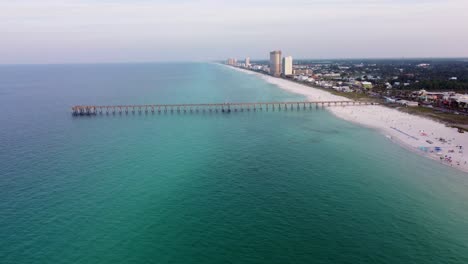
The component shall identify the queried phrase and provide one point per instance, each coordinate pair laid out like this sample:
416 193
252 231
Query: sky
93 31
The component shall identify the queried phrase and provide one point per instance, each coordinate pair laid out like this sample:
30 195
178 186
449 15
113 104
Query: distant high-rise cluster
280 66
231 61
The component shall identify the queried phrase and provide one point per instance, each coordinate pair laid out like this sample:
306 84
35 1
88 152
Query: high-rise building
287 66
231 61
275 63
247 62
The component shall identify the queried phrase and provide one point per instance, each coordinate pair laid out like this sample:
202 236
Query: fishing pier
87 110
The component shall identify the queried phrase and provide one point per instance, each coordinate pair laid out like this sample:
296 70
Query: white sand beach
421 135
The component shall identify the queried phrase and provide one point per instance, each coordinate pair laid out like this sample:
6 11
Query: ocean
251 187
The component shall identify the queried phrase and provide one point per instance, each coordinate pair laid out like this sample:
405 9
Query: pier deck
83 110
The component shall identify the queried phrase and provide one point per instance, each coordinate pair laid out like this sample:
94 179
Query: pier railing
83 110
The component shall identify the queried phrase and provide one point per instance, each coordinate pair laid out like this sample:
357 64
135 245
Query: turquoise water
288 187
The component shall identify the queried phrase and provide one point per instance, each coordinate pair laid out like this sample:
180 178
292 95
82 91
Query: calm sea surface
288 187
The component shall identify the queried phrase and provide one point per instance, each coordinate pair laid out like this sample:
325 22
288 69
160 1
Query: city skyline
146 31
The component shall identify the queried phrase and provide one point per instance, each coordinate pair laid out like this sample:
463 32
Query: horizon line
221 60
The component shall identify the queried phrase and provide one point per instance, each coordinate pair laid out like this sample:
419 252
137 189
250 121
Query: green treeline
439 85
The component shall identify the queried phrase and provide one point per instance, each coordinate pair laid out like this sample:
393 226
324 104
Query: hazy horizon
239 60
113 31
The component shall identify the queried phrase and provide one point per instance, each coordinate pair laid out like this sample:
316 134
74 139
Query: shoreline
420 135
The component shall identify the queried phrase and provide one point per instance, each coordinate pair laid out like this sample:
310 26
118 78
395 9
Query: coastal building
231 61
345 89
332 76
247 62
423 65
367 85
257 67
287 66
302 78
275 63
307 72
